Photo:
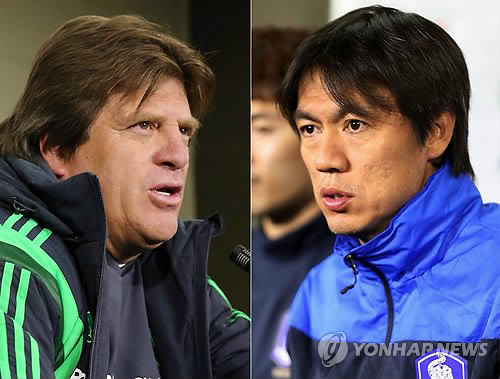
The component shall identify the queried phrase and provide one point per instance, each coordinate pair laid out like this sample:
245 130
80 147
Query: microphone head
240 256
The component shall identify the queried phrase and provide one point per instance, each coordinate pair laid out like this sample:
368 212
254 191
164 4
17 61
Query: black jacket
294 254
52 246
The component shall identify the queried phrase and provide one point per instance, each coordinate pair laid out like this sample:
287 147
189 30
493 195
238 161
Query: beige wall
26 24
301 13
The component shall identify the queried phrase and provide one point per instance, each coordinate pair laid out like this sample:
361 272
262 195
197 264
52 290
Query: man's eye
144 125
186 131
307 130
355 126
262 129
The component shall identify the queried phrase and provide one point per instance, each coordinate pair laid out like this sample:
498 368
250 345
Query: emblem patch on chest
441 364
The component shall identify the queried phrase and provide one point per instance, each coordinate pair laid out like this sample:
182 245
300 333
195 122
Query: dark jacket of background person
195 332
278 268
292 235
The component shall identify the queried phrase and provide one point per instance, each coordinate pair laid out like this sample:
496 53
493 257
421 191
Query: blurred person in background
380 99
291 236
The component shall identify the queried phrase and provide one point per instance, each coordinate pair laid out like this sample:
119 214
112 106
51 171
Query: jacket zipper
351 258
96 326
199 284
99 306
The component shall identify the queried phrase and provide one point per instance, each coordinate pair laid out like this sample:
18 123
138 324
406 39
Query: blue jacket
429 282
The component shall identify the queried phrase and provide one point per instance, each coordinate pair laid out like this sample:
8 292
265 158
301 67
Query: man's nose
331 156
174 150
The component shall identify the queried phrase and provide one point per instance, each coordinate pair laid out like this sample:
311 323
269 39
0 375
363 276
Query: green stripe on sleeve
70 362
8 270
15 255
22 293
14 217
4 352
42 237
70 341
27 227
217 288
20 354
235 314
35 359
19 349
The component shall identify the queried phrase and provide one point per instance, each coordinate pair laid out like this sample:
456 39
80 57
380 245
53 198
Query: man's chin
154 238
152 245
363 231
344 226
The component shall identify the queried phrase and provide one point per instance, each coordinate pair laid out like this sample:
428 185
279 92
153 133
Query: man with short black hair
99 278
380 99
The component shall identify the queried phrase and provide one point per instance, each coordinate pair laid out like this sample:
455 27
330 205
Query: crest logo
441 364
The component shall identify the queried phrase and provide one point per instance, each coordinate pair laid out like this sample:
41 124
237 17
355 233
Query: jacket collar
66 207
290 244
72 208
419 234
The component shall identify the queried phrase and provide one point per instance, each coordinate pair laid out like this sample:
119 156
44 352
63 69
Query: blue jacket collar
419 234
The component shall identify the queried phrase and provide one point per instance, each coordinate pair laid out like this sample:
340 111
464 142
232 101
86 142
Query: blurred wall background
299 13
222 29
474 26
219 167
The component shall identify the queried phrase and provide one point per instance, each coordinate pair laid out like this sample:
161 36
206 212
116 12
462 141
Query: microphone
240 256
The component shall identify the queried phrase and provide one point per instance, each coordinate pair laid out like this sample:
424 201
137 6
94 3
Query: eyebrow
300 114
349 108
191 122
140 114
263 115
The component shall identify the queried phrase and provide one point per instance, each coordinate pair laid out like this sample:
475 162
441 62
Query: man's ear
55 162
440 135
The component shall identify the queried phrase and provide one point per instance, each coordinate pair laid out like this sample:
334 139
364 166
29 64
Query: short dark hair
378 47
272 52
81 65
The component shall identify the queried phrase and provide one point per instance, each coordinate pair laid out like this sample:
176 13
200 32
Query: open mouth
166 195
336 196
335 200
334 193
166 191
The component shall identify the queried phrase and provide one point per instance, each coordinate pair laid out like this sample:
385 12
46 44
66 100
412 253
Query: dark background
222 158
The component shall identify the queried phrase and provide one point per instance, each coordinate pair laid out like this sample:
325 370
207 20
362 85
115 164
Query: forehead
166 91
377 101
166 102
262 109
